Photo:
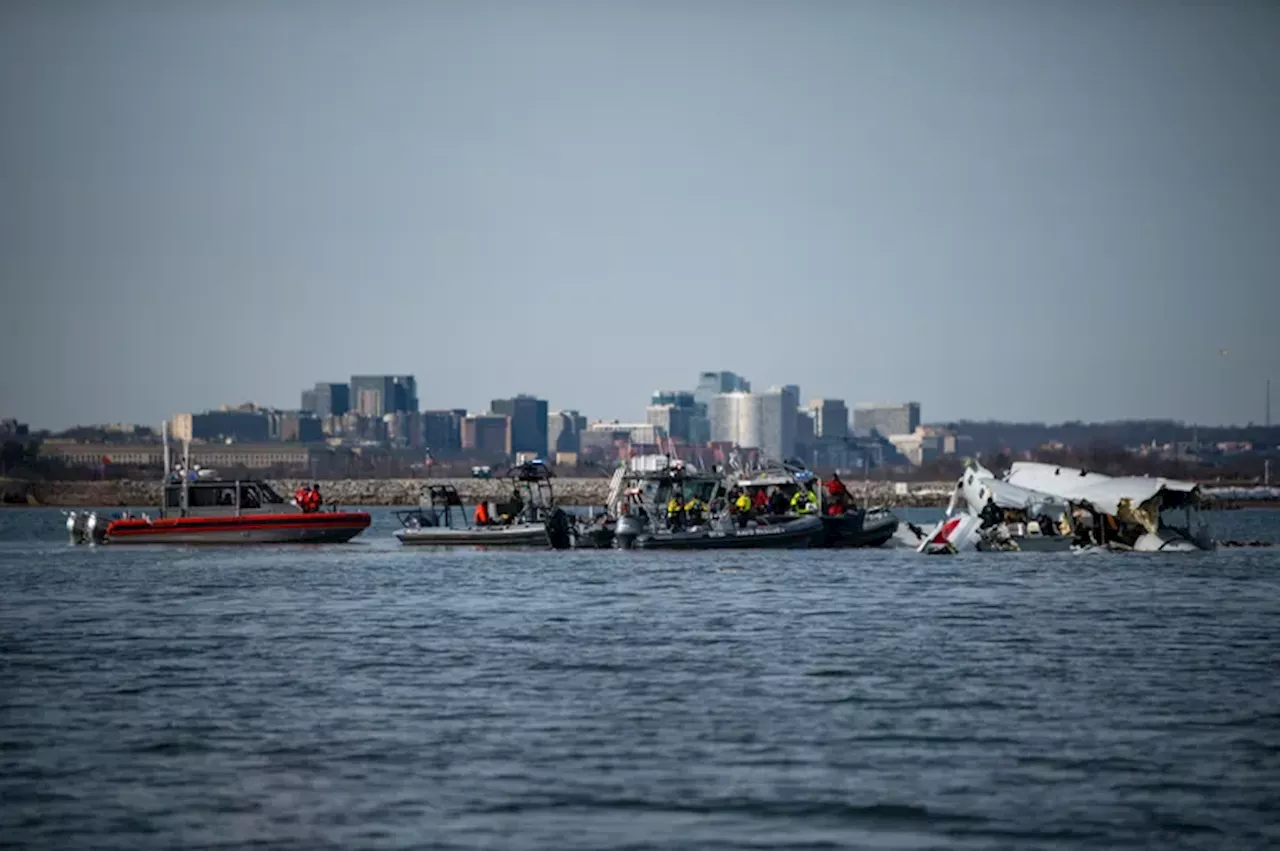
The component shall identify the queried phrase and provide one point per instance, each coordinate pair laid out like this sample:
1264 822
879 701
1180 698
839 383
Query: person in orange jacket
308 499
482 514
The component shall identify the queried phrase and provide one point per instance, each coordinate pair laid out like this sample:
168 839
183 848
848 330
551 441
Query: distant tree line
992 437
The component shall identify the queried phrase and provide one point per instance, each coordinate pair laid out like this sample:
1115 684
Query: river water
368 696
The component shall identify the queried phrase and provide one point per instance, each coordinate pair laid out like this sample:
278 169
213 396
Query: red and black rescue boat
200 510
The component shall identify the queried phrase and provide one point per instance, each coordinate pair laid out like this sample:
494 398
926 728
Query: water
366 696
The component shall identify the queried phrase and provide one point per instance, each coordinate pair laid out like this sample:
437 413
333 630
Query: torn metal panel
1130 499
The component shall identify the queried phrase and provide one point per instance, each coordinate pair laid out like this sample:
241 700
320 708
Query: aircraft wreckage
1046 507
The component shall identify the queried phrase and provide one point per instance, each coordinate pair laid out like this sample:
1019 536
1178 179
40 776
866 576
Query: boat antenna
186 475
164 440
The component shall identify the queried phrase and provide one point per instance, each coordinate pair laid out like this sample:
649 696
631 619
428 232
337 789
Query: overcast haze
1019 210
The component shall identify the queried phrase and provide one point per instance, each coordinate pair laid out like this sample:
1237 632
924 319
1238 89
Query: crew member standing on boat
839 495
743 505
482 514
300 497
309 499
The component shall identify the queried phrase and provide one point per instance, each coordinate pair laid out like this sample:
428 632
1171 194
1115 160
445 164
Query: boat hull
330 527
859 528
795 534
597 538
505 536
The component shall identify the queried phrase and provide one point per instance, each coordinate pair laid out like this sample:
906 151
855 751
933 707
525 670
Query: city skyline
873 201
425 405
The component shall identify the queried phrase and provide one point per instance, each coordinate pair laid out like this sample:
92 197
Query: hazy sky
1014 210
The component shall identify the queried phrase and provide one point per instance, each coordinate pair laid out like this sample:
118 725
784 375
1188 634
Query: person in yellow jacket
742 507
693 510
805 501
675 512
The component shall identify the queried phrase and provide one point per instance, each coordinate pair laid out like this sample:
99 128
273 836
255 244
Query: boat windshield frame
705 486
531 483
269 494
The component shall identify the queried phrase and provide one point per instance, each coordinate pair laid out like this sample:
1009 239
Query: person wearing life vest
743 506
675 512
300 497
805 501
835 487
761 499
693 510
311 499
482 514
838 496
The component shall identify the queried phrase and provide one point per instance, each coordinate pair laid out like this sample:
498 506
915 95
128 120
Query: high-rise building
442 430
327 399
564 431
885 419
735 418
830 418
528 422
804 434
673 421
776 432
711 384
295 427
404 428
679 398
375 395
606 438
487 436
690 423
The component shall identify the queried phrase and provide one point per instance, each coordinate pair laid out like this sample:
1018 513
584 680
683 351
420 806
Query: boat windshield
268 495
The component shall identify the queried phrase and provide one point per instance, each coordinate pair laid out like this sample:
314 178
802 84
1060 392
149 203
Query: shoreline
139 494
132 493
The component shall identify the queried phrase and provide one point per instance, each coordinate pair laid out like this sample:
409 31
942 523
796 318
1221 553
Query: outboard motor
75 526
560 530
628 529
95 528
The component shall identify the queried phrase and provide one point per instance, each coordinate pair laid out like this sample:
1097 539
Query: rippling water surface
367 696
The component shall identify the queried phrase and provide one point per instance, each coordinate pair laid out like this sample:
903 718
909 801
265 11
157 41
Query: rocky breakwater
568 491
346 492
349 492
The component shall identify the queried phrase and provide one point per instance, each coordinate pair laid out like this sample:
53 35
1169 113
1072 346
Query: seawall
569 491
